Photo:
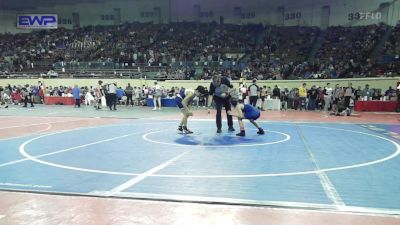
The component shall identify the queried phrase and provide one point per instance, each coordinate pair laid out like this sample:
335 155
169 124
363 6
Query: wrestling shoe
241 134
231 129
187 131
260 131
180 128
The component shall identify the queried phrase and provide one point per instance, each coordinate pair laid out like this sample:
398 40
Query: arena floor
64 165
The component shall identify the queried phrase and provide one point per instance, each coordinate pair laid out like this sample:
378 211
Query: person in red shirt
16 97
41 94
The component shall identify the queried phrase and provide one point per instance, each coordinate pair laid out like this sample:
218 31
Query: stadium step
317 45
376 52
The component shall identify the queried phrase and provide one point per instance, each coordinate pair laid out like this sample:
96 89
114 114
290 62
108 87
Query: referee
219 91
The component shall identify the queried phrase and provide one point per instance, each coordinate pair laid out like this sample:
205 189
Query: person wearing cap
245 111
184 102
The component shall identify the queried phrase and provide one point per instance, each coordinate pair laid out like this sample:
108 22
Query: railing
104 74
143 67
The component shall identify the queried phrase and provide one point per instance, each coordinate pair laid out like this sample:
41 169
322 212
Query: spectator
358 93
112 92
367 93
276 93
291 98
120 94
263 94
137 95
390 92
254 92
312 98
398 98
284 99
99 95
76 92
349 93
303 96
327 96
157 93
27 95
129 93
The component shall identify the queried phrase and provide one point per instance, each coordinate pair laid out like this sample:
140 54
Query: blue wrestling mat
347 167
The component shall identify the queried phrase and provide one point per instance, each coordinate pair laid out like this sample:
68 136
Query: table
55 100
269 104
375 106
272 104
165 102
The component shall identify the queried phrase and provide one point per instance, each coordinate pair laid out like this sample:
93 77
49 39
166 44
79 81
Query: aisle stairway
317 45
376 52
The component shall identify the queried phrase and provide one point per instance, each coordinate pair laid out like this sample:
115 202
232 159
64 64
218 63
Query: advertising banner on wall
37 21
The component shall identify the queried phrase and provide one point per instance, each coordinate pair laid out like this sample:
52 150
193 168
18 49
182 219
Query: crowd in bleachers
263 52
346 51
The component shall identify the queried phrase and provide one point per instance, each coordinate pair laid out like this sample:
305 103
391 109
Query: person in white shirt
327 96
157 93
89 99
348 94
243 90
112 91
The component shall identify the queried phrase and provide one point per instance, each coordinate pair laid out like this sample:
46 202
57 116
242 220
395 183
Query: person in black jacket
27 94
219 92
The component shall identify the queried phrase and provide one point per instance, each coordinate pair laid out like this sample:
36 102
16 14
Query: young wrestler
184 101
98 92
342 110
245 111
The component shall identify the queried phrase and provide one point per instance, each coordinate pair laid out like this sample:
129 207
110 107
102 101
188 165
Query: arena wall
301 12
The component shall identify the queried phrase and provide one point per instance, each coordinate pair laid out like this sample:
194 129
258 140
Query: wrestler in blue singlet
179 98
250 112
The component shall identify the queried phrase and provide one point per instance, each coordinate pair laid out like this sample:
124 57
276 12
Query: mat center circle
210 139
